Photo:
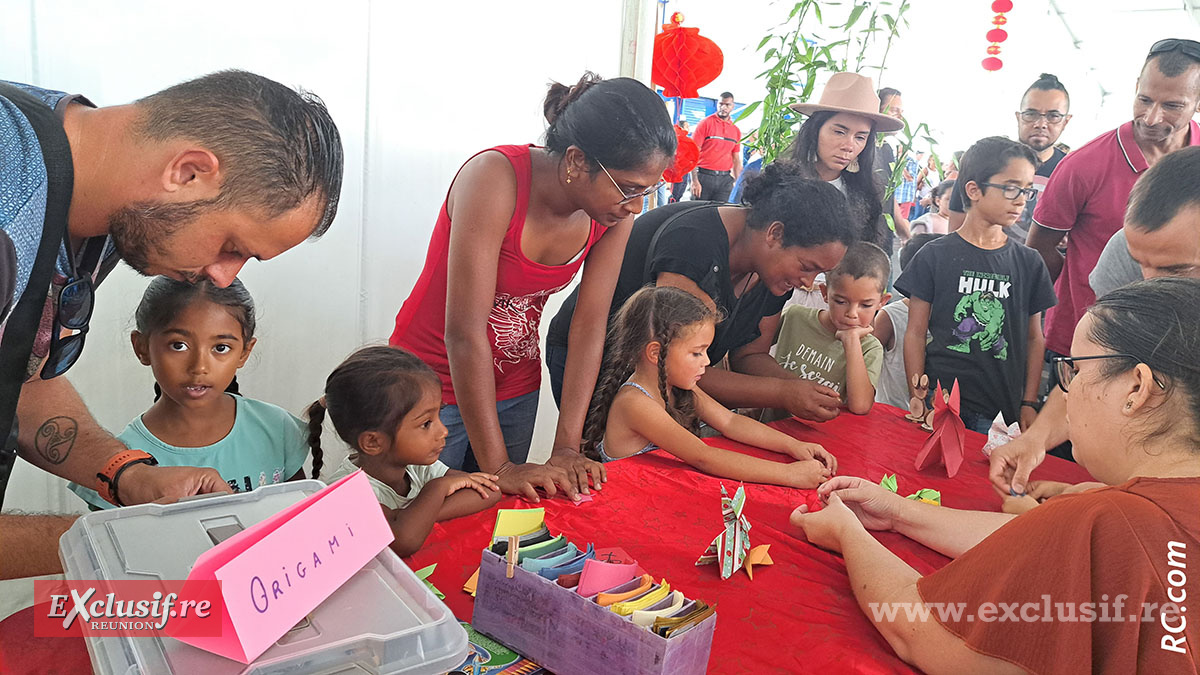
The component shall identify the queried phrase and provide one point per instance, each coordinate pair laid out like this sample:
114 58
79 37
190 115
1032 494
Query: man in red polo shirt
720 161
1087 193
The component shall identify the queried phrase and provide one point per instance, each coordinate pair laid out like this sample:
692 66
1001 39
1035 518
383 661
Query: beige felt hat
851 93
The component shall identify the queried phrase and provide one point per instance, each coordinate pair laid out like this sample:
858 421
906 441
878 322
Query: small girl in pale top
648 398
385 403
194 338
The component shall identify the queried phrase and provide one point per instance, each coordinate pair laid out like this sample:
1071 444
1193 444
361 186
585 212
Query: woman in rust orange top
1106 580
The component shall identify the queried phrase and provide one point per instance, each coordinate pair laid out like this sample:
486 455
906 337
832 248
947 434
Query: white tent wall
415 88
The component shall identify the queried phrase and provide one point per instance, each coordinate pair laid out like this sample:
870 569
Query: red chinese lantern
684 60
997 35
687 156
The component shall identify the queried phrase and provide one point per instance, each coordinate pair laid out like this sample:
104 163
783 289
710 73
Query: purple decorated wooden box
568 633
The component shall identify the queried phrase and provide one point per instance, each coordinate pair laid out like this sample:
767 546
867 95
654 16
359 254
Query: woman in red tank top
517 225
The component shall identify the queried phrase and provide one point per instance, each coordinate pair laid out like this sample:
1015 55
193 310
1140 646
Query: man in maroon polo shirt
1087 193
720 162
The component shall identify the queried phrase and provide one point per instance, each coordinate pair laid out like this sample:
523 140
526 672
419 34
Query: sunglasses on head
1188 47
73 312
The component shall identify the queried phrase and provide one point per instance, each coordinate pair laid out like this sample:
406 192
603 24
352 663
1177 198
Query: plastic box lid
383 620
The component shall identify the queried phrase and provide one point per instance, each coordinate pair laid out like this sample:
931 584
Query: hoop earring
853 167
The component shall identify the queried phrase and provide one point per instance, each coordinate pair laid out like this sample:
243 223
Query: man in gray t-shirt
1161 235
1116 267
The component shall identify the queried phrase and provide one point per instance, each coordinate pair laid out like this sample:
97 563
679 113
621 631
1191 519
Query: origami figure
945 444
926 495
732 545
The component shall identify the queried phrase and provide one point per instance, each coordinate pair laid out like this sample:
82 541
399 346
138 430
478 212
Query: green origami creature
923 495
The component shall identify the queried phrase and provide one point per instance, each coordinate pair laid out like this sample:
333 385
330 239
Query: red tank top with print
522 287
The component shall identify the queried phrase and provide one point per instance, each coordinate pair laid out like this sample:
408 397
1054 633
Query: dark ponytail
619 123
1048 82
1154 322
813 212
316 421
372 390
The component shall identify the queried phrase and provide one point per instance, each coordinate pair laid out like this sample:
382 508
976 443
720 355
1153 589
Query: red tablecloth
797 615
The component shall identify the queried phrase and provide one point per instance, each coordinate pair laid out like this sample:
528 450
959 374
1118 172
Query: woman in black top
743 260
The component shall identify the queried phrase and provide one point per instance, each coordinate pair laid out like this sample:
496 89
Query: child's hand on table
479 482
805 473
801 450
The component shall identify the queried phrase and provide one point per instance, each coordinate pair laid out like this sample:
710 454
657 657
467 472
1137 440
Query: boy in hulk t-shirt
981 296
834 347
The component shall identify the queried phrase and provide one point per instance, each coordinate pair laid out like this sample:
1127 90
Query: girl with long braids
648 397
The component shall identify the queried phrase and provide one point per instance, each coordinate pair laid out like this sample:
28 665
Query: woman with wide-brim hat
837 144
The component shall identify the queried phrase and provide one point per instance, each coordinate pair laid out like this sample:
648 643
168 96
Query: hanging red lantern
684 60
687 156
997 35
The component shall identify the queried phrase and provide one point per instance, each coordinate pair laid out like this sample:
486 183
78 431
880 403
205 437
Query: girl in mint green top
195 337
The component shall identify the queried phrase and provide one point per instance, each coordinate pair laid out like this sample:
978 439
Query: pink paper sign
274 573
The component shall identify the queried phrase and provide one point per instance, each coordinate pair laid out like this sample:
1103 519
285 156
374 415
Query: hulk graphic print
979 315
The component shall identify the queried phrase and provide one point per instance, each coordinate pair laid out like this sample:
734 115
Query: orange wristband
106 480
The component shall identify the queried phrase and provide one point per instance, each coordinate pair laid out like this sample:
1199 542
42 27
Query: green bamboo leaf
854 16
764 42
748 110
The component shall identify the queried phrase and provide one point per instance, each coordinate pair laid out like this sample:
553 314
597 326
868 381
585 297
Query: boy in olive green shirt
834 347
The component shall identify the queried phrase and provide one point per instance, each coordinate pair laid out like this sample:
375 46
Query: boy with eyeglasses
1041 120
981 295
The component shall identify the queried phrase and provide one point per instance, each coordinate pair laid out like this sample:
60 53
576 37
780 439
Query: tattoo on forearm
55 438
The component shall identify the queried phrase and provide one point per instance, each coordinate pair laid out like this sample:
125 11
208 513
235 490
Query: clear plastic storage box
383 620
